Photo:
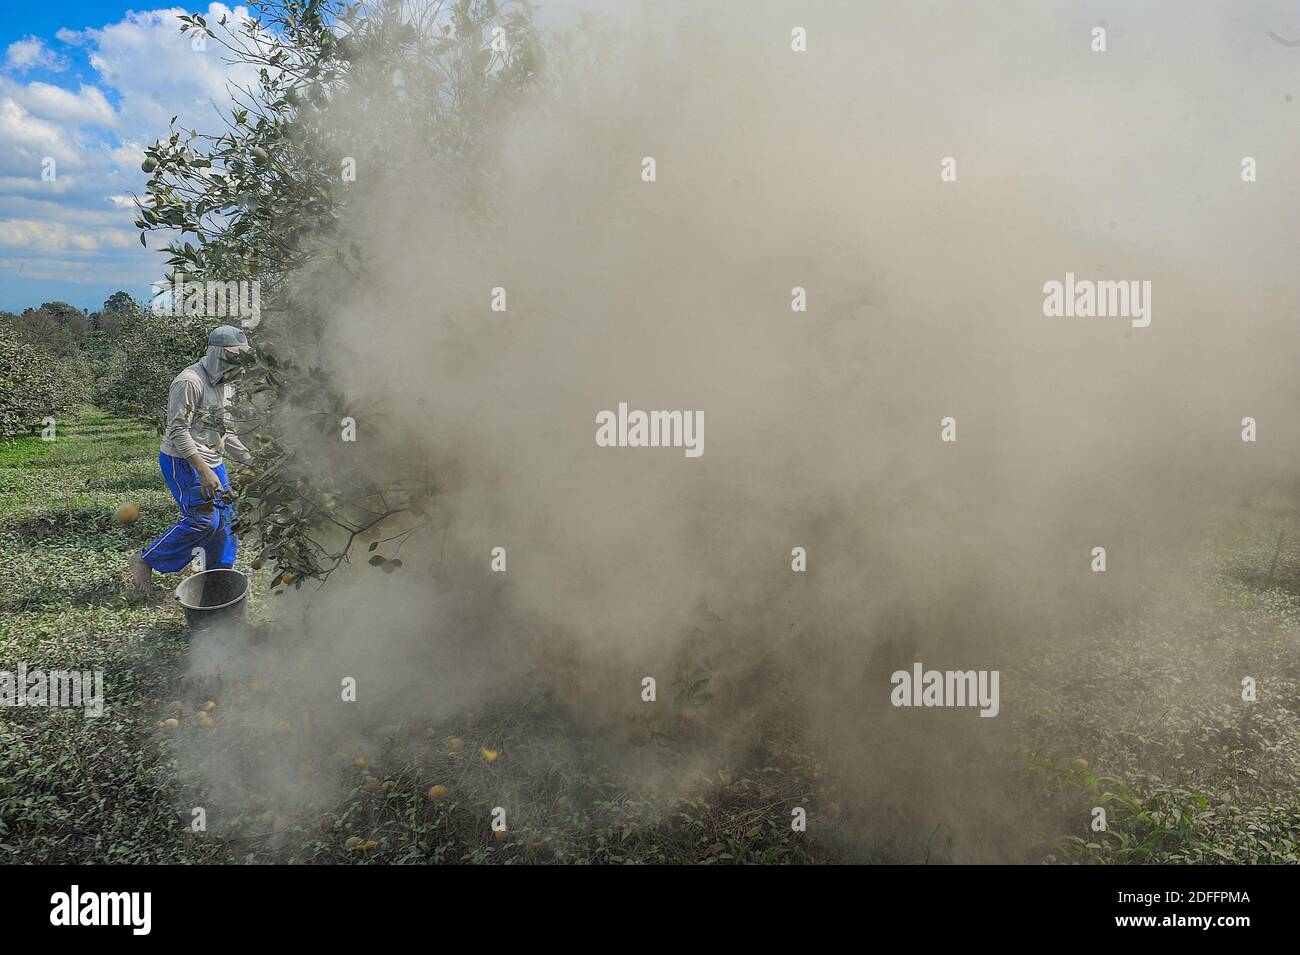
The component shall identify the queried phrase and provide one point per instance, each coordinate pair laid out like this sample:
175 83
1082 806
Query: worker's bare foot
141 574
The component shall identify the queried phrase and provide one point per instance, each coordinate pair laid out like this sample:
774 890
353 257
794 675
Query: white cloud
25 141
79 228
83 268
45 236
127 155
87 106
30 53
70 37
99 213
35 186
157 73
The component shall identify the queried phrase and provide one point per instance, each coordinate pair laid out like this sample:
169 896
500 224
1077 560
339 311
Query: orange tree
261 200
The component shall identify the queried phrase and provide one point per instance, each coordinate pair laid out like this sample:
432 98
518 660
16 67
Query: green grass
74 789
120 788
1187 771
1184 769
14 453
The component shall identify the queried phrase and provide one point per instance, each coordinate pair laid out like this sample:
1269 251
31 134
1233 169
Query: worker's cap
230 338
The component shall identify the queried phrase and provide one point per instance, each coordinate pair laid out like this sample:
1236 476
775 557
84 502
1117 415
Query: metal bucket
214 598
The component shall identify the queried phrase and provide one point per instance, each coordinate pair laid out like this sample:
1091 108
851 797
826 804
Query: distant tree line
57 358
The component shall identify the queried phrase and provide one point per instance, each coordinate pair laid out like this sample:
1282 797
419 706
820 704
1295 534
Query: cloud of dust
819 169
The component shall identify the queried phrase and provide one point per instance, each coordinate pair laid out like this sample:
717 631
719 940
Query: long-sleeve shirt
192 393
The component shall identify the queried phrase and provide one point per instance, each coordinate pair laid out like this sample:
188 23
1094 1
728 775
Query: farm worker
193 444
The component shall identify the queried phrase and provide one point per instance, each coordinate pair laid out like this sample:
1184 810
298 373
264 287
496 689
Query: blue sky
84 86
89 84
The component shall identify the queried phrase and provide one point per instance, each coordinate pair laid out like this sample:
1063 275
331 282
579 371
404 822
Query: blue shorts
205 525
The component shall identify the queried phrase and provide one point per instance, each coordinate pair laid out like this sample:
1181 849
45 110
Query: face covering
215 364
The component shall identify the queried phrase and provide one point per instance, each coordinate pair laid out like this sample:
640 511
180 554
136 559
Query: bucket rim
243 594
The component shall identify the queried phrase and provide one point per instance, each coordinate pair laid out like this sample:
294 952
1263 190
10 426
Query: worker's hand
209 484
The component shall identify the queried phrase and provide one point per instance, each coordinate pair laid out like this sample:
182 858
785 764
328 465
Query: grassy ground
1185 769
1143 718
119 788
71 788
